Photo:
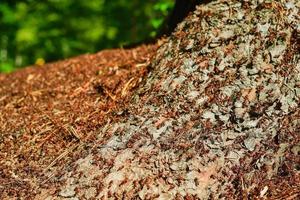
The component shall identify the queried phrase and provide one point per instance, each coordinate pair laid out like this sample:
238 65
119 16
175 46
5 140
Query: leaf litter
213 115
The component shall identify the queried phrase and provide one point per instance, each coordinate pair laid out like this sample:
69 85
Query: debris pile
216 116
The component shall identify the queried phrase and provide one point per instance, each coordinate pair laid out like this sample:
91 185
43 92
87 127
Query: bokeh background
35 32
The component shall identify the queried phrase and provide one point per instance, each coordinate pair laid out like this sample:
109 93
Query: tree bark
181 9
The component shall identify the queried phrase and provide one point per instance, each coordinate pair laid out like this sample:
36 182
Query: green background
35 31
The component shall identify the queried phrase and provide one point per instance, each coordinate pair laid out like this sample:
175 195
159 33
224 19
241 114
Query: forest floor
48 111
211 112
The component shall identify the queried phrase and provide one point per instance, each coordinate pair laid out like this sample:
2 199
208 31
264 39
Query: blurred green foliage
34 31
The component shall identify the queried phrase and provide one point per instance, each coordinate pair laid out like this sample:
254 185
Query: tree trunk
181 9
